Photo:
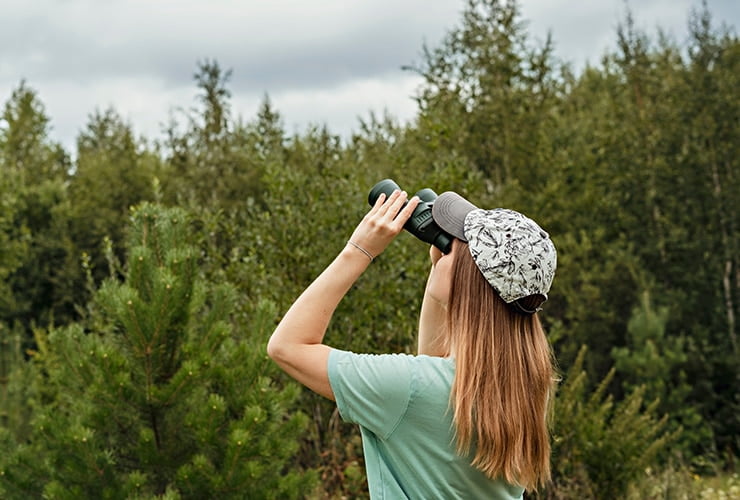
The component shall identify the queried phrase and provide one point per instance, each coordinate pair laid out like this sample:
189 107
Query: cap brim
449 211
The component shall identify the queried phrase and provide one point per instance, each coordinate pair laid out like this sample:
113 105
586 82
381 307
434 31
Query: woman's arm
432 318
296 344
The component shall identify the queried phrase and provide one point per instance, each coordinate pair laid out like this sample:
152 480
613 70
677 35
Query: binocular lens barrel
386 186
420 224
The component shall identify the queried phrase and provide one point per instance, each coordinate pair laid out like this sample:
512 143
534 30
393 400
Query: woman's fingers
384 221
394 203
405 214
394 211
378 203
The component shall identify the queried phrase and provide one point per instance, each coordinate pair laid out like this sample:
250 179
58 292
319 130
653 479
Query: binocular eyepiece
420 224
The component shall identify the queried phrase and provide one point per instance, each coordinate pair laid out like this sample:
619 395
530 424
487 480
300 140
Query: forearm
432 325
308 318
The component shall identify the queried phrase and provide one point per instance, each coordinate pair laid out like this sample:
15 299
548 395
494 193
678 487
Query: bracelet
358 247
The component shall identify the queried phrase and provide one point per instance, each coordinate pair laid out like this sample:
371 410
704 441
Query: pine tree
14 410
112 173
216 160
657 363
156 395
601 446
494 88
33 174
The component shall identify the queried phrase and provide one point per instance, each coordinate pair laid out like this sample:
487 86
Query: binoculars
420 224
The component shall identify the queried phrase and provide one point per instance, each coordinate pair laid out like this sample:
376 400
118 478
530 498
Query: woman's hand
435 254
383 222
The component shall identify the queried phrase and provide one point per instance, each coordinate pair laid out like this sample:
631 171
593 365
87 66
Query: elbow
272 348
280 352
275 349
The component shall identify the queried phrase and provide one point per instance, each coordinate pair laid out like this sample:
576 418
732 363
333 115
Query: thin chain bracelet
358 247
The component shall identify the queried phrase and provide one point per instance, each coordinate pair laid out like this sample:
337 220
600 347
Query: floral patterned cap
515 255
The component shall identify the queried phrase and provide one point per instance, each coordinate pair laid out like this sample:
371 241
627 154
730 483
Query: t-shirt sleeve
372 390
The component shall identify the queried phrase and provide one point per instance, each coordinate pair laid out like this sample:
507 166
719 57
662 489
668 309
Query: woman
466 417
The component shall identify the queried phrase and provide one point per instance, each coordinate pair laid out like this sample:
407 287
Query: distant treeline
139 281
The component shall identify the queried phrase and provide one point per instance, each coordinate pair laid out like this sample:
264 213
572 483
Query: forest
141 278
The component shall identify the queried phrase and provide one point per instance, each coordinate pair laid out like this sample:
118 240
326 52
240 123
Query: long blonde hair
504 379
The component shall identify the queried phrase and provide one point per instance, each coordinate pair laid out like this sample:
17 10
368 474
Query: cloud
587 32
271 45
327 61
339 105
148 105
320 62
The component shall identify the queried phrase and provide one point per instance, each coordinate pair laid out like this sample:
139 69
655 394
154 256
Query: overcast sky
321 62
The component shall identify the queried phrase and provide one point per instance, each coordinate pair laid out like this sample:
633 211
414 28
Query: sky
323 62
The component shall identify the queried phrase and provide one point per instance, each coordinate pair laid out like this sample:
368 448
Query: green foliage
24 144
33 171
162 395
14 379
112 174
14 243
678 481
492 90
216 161
658 364
601 446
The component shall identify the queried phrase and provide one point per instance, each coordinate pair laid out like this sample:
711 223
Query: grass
681 484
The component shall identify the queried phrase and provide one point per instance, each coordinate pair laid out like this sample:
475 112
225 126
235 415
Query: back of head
504 377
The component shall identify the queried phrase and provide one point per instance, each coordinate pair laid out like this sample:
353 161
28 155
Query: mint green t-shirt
401 404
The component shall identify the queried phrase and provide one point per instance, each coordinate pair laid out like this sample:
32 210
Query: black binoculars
420 224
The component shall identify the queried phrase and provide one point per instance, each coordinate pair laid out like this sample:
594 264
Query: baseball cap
514 254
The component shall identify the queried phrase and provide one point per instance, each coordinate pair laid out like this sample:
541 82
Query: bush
601 447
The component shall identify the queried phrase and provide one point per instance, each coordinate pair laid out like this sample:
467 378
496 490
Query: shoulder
388 363
382 366
374 390
390 376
